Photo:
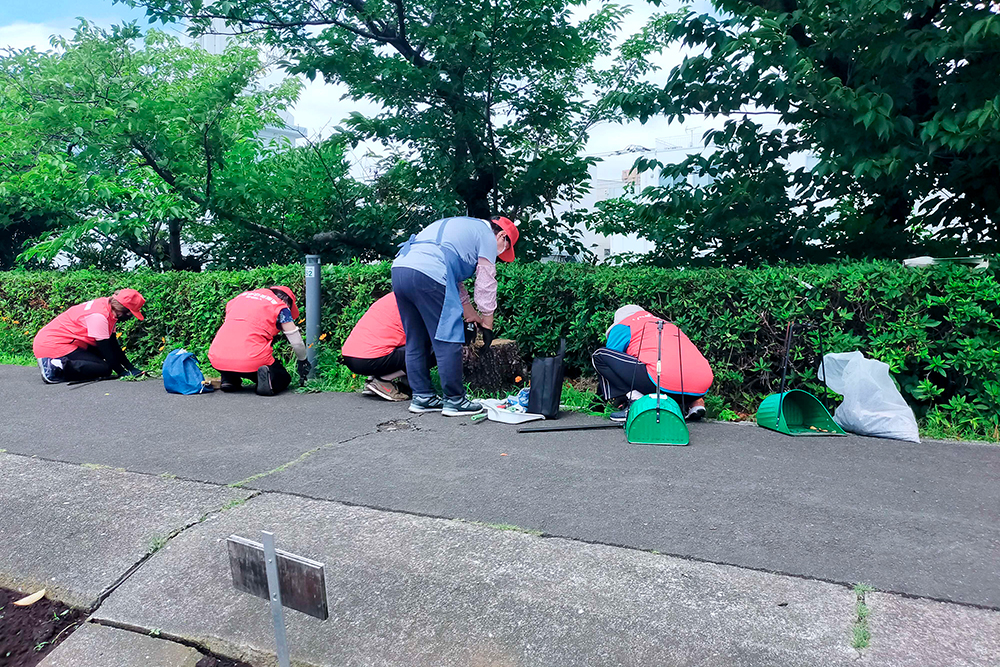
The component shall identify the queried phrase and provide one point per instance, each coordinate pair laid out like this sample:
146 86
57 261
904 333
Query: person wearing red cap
427 279
376 348
242 347
80 344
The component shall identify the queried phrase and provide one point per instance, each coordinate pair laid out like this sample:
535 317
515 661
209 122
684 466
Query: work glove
470 333
303 367
487 339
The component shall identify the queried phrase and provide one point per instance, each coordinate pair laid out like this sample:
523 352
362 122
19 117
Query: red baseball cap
511 230
131 300
295 308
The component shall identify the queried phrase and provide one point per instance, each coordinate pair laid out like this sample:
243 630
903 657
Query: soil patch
27 634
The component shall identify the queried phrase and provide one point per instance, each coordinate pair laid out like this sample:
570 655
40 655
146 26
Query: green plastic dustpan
796 412
643 428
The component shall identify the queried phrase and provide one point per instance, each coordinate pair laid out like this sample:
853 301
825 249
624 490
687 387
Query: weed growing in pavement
504 526
168 475
147 375
156 543
235 502
860 632
514 529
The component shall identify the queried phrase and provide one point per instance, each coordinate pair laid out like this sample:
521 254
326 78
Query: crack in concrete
174 639
153 551
298 459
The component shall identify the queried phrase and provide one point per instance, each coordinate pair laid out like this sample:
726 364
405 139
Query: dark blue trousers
420 300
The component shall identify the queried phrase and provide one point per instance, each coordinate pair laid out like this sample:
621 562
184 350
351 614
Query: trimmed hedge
936 328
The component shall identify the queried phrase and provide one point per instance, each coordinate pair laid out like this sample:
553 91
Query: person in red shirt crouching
376 348
242 346
80 344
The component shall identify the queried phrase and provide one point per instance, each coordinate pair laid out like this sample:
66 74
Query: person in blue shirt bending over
427 279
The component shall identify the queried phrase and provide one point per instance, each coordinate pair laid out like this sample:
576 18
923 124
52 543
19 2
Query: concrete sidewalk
410 590
917 519
77 530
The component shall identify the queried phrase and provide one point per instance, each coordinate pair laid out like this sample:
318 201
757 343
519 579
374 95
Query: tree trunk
497 371
175 254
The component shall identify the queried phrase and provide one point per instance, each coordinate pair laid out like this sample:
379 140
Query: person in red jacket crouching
242 346
377 348
80 344
626 365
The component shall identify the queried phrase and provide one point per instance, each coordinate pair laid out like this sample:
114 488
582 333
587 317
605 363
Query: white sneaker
695 413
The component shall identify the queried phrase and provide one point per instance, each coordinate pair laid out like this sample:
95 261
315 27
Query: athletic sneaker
385 389
365 391
620 417
264 387
695 413
461 408
51 374
420 404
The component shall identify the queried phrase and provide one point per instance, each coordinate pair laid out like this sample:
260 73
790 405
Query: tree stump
495 371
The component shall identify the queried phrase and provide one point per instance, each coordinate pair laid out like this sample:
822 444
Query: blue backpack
181 374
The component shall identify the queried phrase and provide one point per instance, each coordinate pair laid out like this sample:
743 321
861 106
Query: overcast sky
24 24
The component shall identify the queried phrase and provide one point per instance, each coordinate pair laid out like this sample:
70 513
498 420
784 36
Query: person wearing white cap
626 365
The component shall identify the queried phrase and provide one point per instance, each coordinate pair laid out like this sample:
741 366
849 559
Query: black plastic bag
546 384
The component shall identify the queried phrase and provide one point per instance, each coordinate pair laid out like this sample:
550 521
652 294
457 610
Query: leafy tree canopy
895 99
496 96
154 152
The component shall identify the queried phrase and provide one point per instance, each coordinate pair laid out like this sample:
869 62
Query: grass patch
14 359
860 632
168 475
95 466
334 378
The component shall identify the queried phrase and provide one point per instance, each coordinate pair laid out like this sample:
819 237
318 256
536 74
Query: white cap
622 313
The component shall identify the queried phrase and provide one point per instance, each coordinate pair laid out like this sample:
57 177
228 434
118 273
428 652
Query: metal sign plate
302 581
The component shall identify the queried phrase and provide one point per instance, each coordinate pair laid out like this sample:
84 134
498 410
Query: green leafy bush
936 328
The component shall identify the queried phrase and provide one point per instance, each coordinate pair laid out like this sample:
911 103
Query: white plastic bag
501 414
872 403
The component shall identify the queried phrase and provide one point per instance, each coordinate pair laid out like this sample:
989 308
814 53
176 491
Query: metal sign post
313 273
277 611
281 578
